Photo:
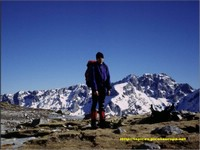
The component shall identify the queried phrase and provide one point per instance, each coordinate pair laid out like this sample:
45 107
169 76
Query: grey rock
149 146
167 130
43 121
25 114
19 126
59 112
192 129
35 122
119 131
177 117
70 127
85 127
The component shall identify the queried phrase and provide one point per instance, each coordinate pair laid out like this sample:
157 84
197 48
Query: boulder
149 146
119 131
192 129
167 130
59 112
177 117
188 115
35 122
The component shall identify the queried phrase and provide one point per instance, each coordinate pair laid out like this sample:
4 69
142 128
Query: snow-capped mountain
190 102
131 95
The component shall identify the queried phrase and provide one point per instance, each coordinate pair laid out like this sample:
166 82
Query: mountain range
131 95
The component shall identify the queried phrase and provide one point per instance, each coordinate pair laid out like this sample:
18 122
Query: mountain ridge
131 95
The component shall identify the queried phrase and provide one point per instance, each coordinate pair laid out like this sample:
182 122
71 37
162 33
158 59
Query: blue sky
46 45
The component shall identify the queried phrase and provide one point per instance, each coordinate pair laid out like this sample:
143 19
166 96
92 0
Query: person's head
99 57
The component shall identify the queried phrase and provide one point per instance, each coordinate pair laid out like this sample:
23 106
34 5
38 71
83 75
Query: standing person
101 86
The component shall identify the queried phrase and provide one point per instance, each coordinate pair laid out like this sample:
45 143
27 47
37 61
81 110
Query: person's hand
108 93
96 93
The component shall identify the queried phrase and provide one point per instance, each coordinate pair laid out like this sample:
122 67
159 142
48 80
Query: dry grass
107 139
57 135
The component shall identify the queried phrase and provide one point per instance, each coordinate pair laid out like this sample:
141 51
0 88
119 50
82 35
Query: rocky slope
35 129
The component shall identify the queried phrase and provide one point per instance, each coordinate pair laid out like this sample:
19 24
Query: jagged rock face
159 86
190 102
131 95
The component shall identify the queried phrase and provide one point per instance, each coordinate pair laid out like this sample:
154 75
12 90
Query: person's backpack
90 64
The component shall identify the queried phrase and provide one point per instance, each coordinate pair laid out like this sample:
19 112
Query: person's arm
108 83
93 81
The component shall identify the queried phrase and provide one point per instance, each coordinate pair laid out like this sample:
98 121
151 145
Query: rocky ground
23 128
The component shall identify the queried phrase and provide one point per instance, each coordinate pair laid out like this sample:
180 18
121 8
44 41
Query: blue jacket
100 77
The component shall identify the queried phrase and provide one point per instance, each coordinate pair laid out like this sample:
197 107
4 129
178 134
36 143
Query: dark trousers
100 100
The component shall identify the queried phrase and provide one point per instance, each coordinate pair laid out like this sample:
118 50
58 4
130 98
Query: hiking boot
94 127
102 119
93 124
93 119
102 124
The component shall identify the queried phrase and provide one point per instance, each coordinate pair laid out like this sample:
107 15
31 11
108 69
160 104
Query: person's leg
93 111
101 100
